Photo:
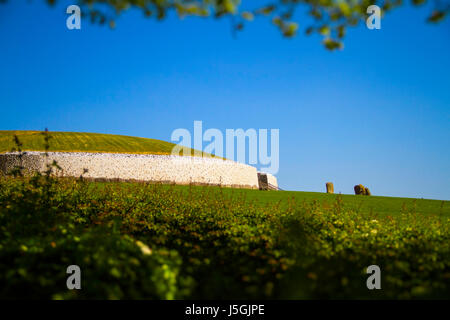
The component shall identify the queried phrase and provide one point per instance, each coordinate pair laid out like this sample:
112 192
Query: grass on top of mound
85 142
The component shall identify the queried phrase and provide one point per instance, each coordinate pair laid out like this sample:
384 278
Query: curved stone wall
158 168
272 180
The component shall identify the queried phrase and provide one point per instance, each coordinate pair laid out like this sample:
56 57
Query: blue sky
376 113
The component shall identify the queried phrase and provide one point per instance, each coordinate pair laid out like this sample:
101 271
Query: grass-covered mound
135 240
84 142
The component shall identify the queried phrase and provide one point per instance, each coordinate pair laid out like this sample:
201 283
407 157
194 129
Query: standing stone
359 189
262 181
330 187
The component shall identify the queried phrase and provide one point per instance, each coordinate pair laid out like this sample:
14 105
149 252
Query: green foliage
336 15
42 233
152 241
334 248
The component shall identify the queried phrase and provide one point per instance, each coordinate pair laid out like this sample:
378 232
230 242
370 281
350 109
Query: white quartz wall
271 179
164 168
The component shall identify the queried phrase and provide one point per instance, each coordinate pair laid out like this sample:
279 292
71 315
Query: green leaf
436 16
290 30
229 6
266 10
345 8
331 44
418 2
277 21
247 16
324 30
340 31
309 30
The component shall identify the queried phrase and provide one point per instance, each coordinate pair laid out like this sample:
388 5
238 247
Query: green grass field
367 206
84 142
371 205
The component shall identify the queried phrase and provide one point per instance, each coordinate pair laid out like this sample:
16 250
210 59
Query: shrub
135 240
41 235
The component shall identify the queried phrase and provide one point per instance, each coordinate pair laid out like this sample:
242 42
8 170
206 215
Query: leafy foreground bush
144 241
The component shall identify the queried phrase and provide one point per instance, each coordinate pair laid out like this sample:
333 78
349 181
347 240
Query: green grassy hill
84 142
373 205
368 206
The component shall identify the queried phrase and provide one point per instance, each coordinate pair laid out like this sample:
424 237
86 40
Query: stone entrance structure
267 181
